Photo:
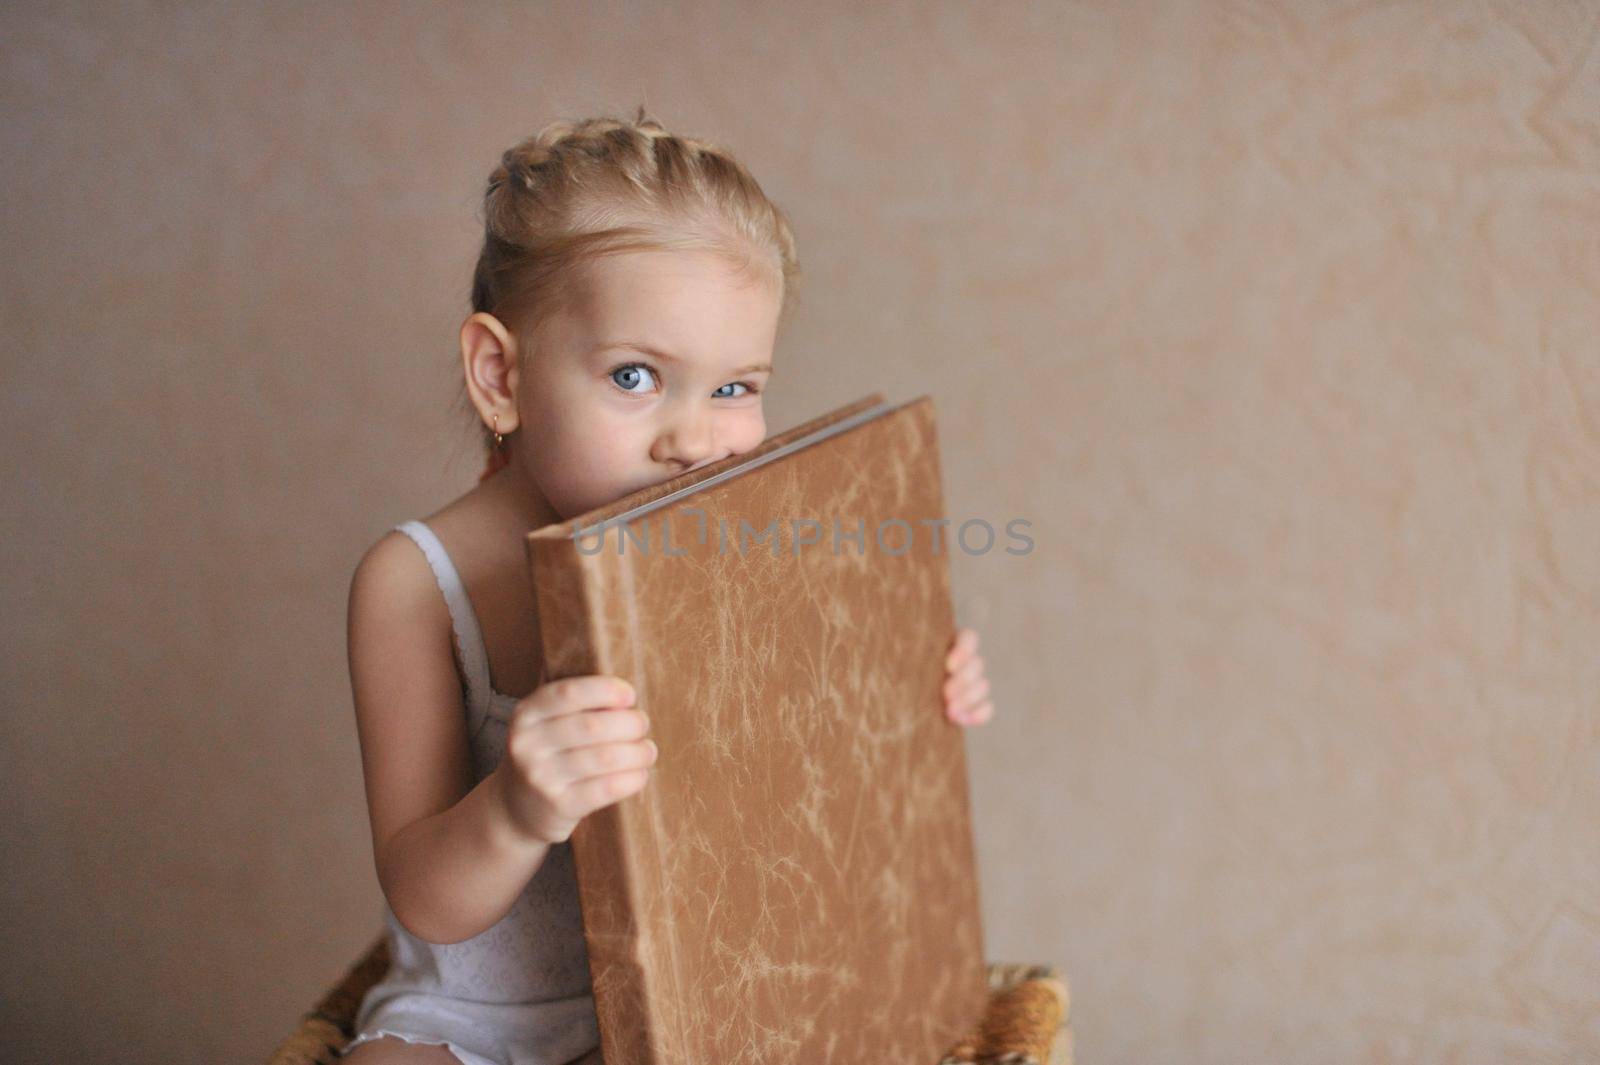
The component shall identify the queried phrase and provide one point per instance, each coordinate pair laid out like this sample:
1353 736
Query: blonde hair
576 191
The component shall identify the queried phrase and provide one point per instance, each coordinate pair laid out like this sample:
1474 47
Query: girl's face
658 368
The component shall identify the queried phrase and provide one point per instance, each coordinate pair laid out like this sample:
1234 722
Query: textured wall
1278 320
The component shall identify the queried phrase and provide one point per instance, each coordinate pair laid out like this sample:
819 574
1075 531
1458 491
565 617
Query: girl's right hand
573 746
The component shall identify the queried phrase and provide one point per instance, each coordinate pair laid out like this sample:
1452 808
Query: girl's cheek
751 431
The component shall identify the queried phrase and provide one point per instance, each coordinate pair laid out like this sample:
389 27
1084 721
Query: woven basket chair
1026 1022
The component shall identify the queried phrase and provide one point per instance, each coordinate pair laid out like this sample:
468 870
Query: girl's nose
688 442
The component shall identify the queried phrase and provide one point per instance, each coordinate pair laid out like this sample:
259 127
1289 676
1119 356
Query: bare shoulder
394 577
410 714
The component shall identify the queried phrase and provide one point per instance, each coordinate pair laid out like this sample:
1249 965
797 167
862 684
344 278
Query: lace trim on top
463 623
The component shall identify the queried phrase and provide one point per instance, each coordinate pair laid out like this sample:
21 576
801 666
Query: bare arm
453 874
448 858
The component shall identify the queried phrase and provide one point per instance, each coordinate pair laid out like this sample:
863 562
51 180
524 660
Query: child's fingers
605 759
968 672
604 725
961 712
964 644
573 694
968 695
971 715
972 693
592 793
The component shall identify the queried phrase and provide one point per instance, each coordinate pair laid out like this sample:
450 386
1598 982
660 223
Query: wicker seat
1026 1022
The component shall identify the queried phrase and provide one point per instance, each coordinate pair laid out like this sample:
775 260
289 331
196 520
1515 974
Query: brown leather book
797 881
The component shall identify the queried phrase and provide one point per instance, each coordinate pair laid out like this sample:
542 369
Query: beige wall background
1278 321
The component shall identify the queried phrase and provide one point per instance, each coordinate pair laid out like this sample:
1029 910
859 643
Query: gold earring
497 458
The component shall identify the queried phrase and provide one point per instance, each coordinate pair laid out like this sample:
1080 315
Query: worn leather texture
797 882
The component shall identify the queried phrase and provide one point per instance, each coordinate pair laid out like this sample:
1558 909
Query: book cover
797 882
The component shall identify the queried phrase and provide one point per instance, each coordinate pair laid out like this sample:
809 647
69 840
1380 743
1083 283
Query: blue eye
626 377
630 375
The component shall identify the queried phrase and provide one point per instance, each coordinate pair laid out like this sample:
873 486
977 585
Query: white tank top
519 992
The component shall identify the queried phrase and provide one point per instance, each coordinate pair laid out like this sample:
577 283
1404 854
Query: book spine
577 596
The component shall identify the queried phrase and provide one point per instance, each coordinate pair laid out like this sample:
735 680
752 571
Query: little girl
625 309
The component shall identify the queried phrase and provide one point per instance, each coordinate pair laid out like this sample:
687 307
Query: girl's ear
489 361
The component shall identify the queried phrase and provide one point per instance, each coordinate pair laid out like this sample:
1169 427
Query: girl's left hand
966 689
